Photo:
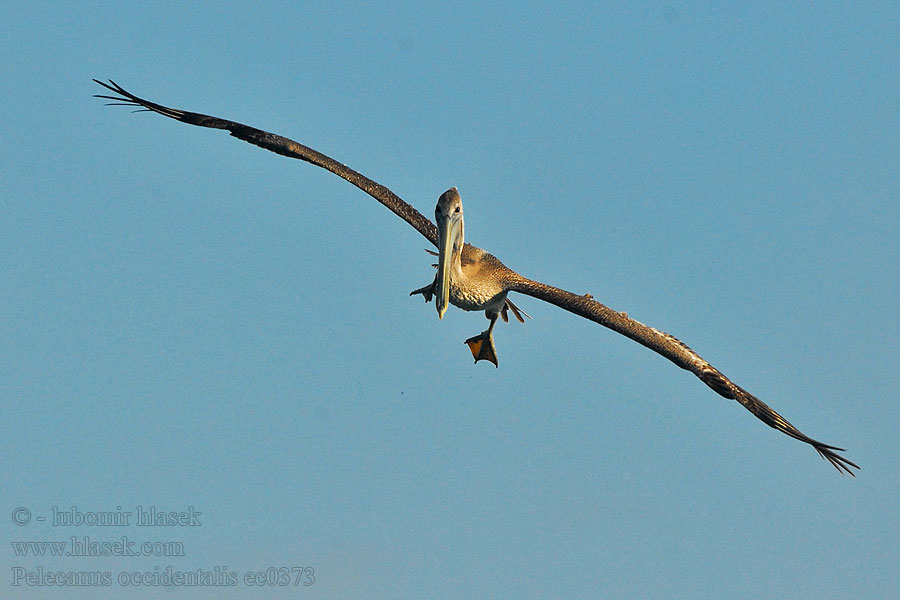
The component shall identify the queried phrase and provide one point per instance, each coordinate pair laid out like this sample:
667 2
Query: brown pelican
472 279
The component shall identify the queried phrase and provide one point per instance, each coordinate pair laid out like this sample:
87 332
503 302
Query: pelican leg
482 345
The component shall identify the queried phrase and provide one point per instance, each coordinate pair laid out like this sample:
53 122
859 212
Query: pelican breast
481 283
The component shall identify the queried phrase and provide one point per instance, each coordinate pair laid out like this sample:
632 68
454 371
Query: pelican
474 280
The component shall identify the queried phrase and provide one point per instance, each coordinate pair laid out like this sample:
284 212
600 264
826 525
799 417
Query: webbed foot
482 347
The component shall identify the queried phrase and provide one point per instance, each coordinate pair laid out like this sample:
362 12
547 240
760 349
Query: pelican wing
679 353
285 147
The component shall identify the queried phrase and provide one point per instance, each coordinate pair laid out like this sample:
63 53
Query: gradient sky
189 321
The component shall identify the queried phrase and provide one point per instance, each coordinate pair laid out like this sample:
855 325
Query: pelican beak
445 251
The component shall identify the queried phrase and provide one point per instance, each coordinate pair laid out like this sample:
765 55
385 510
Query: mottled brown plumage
472 279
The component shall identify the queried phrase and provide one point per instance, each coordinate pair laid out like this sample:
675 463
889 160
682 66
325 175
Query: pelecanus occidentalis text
472 279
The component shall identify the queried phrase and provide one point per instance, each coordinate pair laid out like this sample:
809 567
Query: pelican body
468 277
472 279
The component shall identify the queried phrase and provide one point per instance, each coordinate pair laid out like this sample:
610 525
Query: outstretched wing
663 343
285 147
680 354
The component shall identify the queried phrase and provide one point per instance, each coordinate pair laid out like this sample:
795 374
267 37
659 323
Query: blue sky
190 321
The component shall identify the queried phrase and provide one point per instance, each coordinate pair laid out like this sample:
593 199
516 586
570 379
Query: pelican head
448 215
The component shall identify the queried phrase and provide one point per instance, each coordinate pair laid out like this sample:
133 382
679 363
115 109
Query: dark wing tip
111 86
765 413
841 463
123 98
126 98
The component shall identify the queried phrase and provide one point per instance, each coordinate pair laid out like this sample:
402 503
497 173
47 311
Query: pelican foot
482 347
426 291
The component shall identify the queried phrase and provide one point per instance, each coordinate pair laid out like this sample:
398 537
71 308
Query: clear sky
189 321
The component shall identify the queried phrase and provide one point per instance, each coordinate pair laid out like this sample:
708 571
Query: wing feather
679 353
285 147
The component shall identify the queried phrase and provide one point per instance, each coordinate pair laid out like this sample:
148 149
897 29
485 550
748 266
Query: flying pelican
471 279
